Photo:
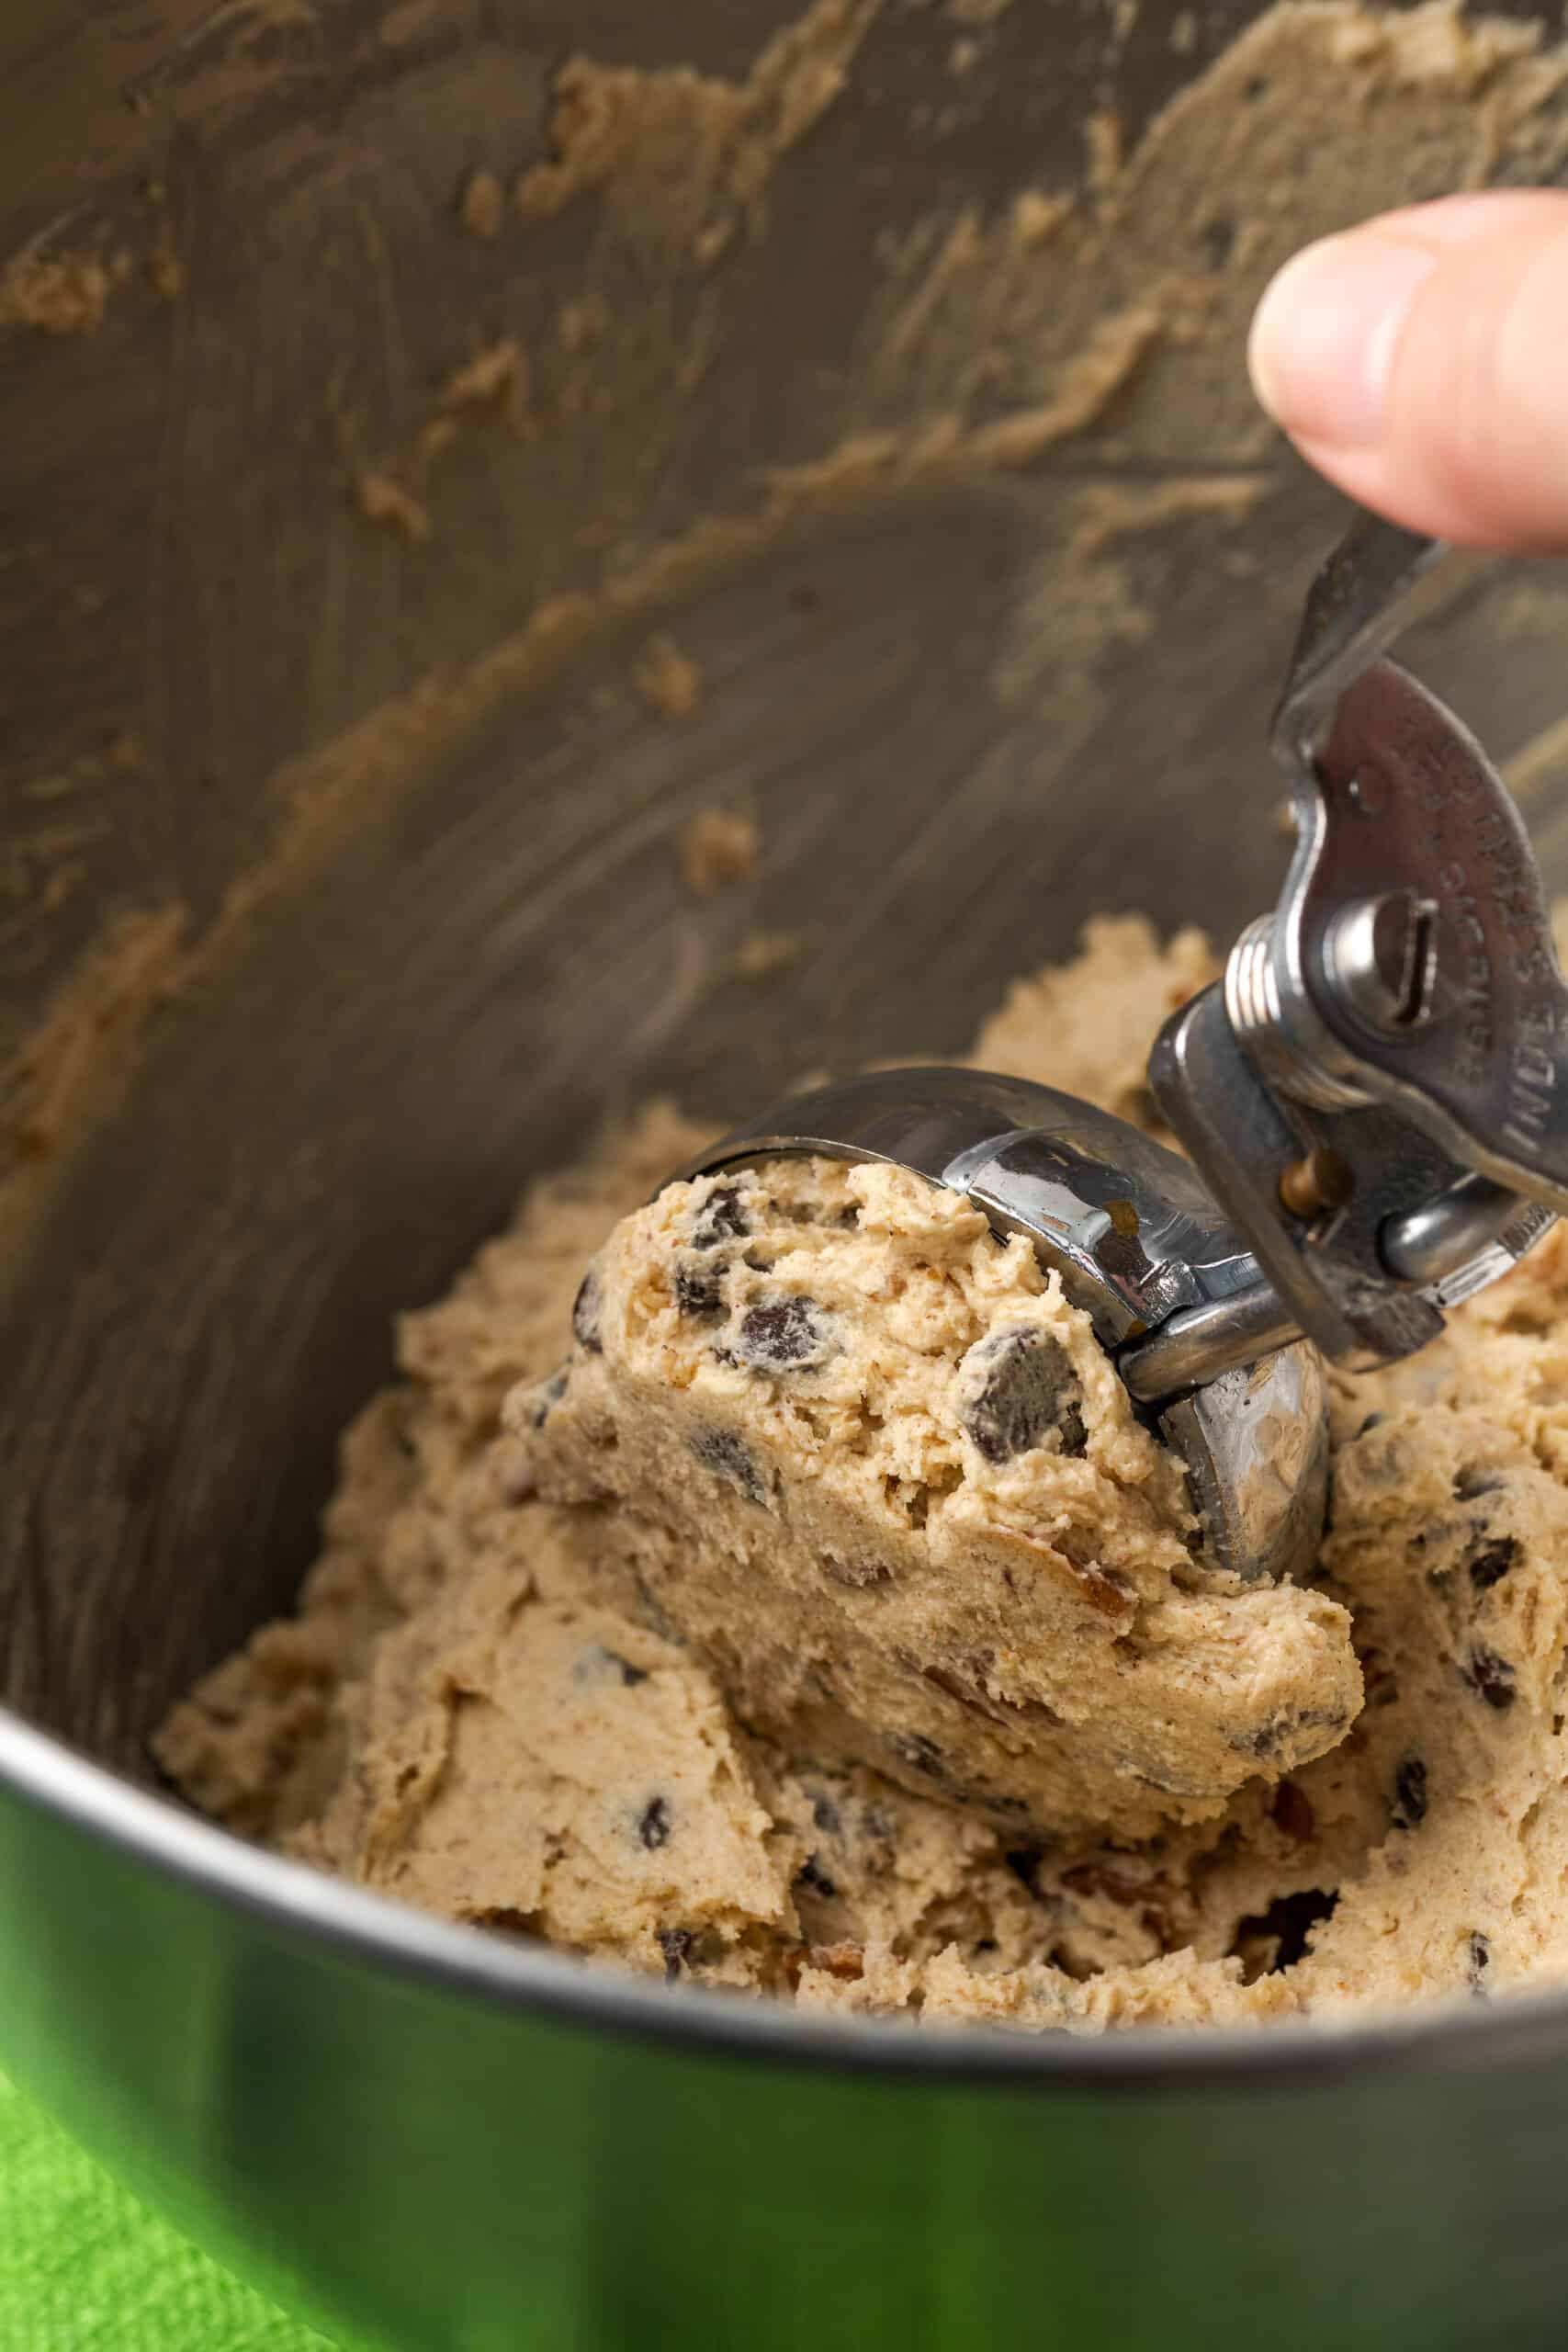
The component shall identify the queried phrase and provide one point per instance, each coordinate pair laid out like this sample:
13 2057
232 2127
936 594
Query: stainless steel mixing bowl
338 895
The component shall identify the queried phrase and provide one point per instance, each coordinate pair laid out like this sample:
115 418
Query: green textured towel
85 2269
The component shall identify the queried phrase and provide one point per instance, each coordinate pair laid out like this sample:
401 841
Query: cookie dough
865 1460
499 1700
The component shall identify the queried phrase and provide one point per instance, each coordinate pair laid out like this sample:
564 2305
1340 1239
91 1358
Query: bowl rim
295 1901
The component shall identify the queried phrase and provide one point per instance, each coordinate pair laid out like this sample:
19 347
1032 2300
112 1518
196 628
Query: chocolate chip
730 1457
1270 1740
921 1754
1490 1564
1471 1485
722 1218
1287 1926
813 1875
699 1291
803 1211
676 1944
1478 1960
1017 1387
546 1398
783 1335
1292 1812
825 1814
585 1314
654 1824
1410 1793
1491 1677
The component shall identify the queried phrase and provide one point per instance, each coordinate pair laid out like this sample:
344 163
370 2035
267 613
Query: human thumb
1421 362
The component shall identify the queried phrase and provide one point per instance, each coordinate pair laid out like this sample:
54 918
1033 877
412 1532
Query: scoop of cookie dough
865 1461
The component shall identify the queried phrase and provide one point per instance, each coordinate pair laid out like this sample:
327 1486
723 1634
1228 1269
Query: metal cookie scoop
1136 1239
1373 1097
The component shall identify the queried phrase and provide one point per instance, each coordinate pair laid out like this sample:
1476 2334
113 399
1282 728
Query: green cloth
84 2267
